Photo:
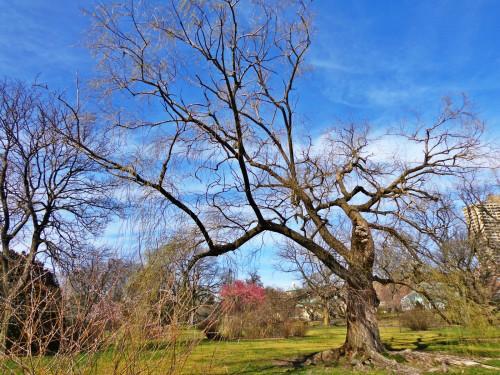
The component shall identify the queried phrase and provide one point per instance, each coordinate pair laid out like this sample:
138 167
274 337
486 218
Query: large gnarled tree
217 138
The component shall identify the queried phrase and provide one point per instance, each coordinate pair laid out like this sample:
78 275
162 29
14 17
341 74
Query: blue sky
371 60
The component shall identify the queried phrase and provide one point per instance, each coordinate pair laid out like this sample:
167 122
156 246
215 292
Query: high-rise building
484 222
484 229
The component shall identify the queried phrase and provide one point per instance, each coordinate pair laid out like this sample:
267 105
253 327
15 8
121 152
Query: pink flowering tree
239 295
247 310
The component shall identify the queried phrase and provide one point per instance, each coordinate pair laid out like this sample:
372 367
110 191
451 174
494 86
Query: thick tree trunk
362 327
363 337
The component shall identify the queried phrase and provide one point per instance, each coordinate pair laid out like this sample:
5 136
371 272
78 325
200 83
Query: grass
262 356
259 356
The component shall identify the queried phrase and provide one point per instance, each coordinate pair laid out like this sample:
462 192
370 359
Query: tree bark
363 335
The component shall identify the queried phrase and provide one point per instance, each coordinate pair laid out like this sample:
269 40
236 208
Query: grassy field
269 356
263 356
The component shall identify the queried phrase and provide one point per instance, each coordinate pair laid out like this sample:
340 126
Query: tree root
415 362
433 362
359 360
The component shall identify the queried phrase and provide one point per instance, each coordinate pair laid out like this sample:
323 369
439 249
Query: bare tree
220 78
50 199
320 285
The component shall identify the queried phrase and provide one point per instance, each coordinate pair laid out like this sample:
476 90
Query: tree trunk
362 327
4 329
362 338
326 315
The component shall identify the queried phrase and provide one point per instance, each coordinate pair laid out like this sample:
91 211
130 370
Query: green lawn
269 356
261 356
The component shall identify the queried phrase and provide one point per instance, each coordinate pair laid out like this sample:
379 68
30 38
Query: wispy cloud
42 38
375 60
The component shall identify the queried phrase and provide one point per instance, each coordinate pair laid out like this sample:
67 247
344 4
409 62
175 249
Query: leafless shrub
418 319
295 328
113 316
272 316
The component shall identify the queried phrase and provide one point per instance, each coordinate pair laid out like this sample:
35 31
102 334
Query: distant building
401 298
483 221
390 296
413 300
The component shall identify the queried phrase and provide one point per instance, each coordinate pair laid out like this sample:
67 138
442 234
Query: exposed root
415 362
329 356
359 361
434 362
393 366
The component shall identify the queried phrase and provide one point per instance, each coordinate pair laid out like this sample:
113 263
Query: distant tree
94 290
254 278
322 290
459 279
50 197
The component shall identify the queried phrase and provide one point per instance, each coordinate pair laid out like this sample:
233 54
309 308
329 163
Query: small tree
164 289
241 294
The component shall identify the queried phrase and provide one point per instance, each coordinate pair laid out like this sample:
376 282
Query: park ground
272 356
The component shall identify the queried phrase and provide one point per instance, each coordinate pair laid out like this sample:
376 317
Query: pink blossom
243 293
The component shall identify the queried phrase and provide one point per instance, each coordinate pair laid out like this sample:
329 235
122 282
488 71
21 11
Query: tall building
484 222
484 228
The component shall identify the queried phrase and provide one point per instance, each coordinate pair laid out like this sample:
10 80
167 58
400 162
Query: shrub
417 319
250 311
34 327
295 328
241 294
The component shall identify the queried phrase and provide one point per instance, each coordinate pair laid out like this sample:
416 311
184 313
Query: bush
249 311
34 327
295 328
250 326
417 319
